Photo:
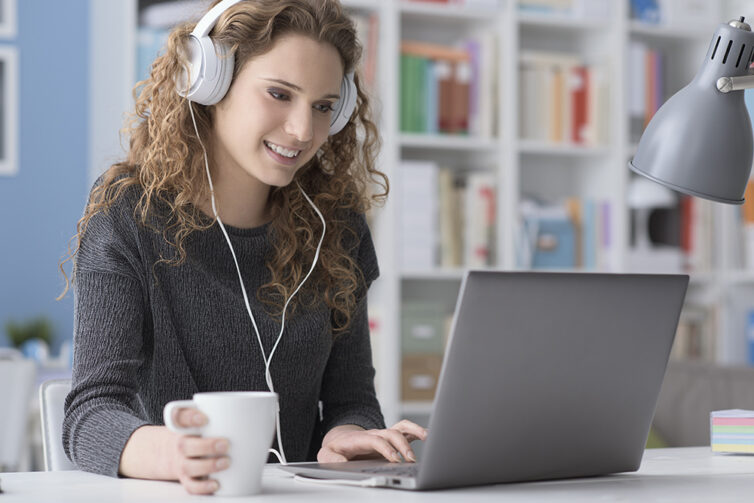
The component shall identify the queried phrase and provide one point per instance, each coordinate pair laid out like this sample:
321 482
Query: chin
280 178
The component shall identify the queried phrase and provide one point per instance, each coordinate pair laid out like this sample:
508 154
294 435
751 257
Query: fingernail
410 456
213 486
396 456
221 446
198 419
222 463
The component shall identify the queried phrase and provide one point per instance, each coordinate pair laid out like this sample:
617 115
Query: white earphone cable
267 359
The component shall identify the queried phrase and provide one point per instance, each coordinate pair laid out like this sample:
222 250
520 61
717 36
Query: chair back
17 376
52 395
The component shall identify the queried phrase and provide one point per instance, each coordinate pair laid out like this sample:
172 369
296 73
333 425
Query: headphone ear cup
221 82
345 106
210 72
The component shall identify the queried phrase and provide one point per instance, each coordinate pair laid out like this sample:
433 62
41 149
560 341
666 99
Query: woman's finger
199 486
201 467
195 447
410 430
188 418
379 444
399 443
327 455
361 444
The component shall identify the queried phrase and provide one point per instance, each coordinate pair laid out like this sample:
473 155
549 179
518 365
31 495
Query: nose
299 124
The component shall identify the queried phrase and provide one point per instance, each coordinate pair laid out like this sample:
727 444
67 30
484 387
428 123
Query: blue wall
41 204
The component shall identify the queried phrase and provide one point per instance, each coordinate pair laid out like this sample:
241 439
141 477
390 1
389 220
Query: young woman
257 190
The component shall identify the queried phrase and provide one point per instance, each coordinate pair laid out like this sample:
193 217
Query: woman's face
276 113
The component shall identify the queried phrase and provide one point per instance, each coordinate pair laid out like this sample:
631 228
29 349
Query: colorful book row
563 99
448 89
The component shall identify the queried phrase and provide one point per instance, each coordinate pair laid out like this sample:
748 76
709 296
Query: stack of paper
732 430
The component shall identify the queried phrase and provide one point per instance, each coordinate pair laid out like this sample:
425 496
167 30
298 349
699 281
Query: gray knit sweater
144 339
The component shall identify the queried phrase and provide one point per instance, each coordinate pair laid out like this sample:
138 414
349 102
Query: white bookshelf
525 166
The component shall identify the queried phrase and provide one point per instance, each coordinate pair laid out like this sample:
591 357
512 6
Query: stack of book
732 431
448 89
563 99
419 214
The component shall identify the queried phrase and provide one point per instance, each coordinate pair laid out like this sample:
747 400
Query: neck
241 200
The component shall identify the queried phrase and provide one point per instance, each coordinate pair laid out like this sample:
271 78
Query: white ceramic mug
247 420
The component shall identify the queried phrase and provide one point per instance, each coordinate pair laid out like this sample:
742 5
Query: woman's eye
278 95
324 107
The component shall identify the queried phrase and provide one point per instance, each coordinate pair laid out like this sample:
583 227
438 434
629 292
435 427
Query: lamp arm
728 84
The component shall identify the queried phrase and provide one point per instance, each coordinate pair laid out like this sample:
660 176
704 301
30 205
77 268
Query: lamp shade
700 141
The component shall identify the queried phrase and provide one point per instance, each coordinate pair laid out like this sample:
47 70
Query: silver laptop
546 376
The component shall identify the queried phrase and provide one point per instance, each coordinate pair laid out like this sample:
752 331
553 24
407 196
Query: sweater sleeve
348 395
102 409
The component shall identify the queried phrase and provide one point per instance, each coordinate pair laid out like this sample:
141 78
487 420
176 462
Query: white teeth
282 151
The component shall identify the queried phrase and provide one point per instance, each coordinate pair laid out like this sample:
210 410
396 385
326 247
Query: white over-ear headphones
211 70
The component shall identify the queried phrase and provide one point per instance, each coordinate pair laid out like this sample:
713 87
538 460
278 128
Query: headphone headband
208 21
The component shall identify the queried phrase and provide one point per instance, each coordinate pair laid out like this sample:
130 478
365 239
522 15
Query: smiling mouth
282 151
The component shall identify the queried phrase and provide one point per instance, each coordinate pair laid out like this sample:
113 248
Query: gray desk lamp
700 141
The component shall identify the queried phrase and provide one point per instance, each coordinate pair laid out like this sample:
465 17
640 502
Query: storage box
419 375
422 328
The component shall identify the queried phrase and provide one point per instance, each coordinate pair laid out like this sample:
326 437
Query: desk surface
684 475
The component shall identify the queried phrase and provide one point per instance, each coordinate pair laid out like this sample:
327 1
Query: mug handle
168 413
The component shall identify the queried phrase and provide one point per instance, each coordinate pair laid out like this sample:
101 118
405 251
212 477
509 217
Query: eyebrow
298 88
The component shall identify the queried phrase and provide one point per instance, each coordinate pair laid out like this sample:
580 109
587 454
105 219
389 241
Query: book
451 224
480 219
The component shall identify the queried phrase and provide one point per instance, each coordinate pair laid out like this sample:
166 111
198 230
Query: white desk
667 475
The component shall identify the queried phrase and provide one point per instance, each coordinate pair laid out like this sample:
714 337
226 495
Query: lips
282 150
278 157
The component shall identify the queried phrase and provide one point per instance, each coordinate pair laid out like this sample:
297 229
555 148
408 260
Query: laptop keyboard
397 470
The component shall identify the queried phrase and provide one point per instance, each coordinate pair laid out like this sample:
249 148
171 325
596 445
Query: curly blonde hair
165 159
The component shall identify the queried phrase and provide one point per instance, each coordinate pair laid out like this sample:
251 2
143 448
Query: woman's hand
154 452
196 458
348 442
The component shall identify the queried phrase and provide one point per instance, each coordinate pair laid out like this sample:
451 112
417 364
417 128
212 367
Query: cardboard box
419 375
